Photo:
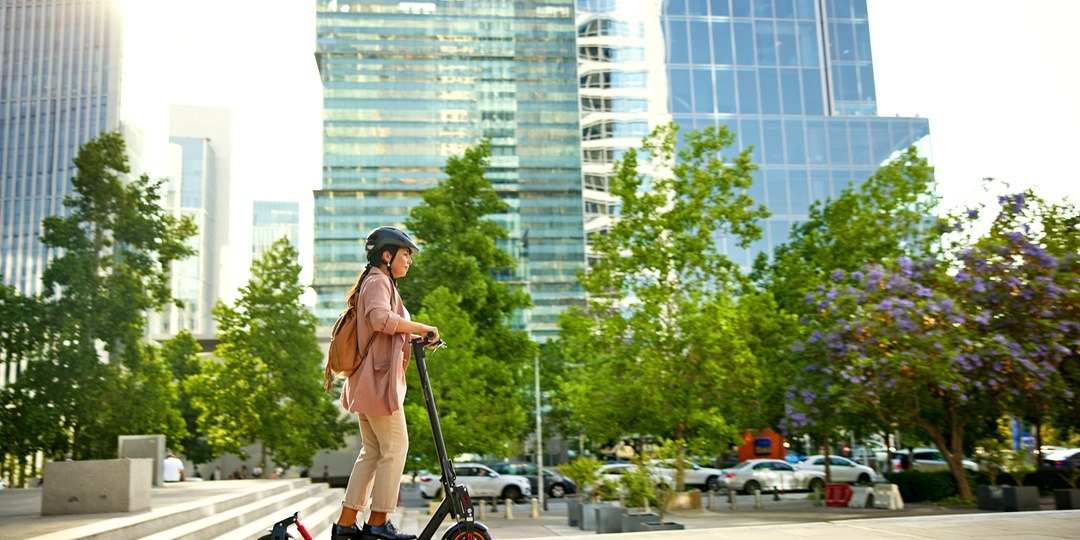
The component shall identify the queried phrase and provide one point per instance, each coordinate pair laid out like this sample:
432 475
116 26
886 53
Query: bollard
817 496
775 493
535 508
712 503
647 509
509 508
482 512
732 498
757 499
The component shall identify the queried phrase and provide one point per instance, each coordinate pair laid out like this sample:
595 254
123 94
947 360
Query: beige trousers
377 471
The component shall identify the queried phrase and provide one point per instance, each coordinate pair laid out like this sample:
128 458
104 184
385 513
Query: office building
271 221
199 163
59 88
407 85
793 78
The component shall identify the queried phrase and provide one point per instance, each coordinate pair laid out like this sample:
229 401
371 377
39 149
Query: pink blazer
377 388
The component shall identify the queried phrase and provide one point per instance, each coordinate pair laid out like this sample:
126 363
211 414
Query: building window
610 129
600 155
609 27
607 104
596 181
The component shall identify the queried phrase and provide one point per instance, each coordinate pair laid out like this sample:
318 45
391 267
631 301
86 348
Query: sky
997 79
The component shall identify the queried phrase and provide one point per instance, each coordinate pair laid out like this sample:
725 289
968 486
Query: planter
588 516
989 497
669 526
632 522
1067 499
1020 498
573 512
686 500
608 519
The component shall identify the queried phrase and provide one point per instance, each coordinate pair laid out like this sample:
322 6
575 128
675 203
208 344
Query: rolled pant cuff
351 506
384 510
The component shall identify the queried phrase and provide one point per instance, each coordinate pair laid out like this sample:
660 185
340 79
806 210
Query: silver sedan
766 474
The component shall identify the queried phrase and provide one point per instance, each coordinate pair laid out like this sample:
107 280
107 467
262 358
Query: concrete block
989 497
860 495
1020 498
97 486
144 446
887 496
686 500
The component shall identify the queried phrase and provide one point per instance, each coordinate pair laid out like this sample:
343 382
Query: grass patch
955 500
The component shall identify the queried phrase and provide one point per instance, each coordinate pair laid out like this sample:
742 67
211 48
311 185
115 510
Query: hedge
918 486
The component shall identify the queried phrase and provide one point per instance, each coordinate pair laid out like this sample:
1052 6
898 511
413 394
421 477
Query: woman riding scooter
376 391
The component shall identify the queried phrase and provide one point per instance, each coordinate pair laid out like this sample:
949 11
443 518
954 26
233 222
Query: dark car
555 484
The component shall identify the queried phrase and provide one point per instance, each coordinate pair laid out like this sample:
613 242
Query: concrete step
322 505
258 512
157 520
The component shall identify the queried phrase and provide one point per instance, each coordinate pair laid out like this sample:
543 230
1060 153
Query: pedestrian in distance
172 469
376 390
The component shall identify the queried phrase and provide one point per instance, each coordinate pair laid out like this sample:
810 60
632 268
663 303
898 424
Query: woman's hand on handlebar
431 339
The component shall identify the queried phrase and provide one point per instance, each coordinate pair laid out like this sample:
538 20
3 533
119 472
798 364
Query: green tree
478 382
265 382
181 355
114 248
663 334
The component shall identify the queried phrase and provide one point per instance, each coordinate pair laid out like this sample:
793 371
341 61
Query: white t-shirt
171 469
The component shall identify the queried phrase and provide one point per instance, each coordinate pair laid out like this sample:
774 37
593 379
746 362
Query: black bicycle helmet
383 237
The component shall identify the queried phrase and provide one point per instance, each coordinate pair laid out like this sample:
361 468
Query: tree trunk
888 468
1038 442
953 453
262 458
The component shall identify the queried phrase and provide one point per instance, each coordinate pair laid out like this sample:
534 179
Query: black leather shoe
386 531
350 532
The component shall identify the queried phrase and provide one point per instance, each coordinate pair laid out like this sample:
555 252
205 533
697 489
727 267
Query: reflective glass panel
787 48
841 178
773 137
785 9
757 188
859 9
862 41
766 43
796 144
674 7
750 135
816 143
860 142
849 81
703 90
748 100
725 91
838 144
698 8
777 188
677 43
819 184
813 101
763 9
680 90
808 44
744 42
770 91
719 8
843 40
699 41
740 8
866 82
804 9
799 188
721 35
880 140
789 84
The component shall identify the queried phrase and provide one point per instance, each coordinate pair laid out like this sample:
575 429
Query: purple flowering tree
935 343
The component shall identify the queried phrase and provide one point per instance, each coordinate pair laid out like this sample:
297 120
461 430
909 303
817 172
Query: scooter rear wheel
457 532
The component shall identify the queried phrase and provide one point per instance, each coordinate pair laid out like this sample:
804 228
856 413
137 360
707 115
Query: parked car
842 469
555 484
482 482
927 459
765 474
704 478
1063 458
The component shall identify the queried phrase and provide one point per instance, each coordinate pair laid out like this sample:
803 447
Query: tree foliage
664 334
477 382
939 342
89 378
265 382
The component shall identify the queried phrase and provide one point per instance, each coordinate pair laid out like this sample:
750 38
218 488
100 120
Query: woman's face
401 262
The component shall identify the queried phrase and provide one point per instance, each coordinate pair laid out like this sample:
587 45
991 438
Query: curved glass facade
407 85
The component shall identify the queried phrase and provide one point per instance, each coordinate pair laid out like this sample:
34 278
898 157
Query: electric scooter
456 501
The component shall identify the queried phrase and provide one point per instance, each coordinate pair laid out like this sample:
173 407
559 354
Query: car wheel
713 483
864 479
817 484
511 492
751 486
557 491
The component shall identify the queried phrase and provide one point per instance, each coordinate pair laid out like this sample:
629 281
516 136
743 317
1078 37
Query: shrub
584 472
917 486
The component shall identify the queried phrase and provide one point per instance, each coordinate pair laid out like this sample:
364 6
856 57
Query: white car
927 459
766 474
704 478
482 483
841 468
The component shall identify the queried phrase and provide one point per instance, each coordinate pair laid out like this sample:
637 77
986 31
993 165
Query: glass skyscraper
406 85
59 87
271 221
793 78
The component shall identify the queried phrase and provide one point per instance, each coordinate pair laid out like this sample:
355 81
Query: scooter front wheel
457 532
